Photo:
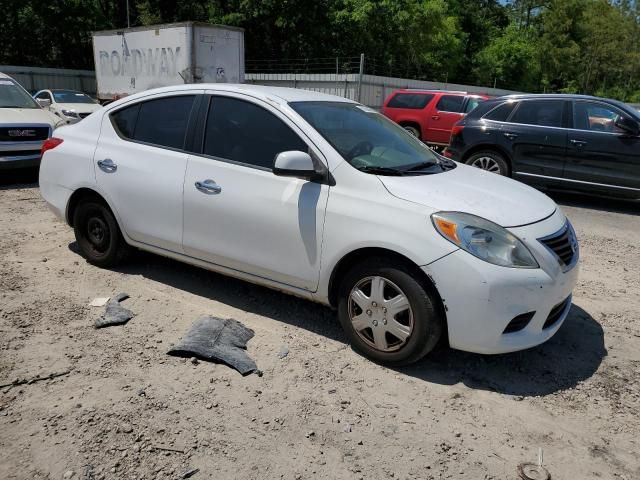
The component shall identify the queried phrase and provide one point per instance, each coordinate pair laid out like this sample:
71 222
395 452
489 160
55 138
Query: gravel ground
126 409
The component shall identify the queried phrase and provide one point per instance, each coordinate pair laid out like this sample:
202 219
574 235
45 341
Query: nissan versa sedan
323 198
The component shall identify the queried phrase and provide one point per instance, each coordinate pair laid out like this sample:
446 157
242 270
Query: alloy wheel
487 163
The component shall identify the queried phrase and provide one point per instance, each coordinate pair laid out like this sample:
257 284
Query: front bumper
481 299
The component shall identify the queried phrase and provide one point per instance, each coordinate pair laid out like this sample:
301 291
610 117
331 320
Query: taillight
49 144
457 130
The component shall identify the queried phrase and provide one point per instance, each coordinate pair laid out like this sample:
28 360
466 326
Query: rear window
450 103
501 112
473 103
546 113
410 100
161 122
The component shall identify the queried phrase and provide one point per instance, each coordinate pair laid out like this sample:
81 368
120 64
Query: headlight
69 113
484 239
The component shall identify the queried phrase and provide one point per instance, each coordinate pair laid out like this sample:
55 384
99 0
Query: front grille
84 115
18 153
556 313
23 134
519 322
563 244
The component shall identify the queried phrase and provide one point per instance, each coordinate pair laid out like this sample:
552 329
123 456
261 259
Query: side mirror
627 124
295 164
44 102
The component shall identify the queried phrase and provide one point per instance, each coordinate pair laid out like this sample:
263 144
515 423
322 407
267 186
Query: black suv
571 141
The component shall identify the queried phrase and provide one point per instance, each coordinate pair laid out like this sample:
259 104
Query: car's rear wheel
386 312
490 161
98 234
412 130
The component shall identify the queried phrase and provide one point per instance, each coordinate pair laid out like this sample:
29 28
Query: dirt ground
128 410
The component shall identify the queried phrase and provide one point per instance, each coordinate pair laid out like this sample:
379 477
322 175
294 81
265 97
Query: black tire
98 234
496 159
428 321
412 130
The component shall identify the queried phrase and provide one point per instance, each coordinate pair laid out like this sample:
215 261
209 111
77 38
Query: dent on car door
599 151
140 163
237 213
536 138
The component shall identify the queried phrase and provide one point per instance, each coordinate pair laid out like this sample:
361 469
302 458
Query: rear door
140 162
446 112
536 138
599 152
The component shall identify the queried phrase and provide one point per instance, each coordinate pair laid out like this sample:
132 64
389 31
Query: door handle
107 165
510 136
209 187
578 143
436 117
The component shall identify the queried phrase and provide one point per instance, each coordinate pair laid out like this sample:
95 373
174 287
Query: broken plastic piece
115 314
218 340
99 302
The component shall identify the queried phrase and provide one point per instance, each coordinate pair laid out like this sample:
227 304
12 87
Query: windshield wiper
420 166
381 170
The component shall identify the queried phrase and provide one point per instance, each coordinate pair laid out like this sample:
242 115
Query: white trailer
136 59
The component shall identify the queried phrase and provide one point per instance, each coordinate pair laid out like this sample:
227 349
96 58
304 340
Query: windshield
368 140
70 96
13 95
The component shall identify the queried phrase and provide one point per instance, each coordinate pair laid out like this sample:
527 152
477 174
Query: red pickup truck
430 114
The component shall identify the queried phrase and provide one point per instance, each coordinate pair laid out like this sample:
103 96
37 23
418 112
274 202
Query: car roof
434 90
4 75
565 96
279 95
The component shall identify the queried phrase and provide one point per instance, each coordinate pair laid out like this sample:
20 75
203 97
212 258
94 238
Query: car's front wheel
387 313
490 161
98 234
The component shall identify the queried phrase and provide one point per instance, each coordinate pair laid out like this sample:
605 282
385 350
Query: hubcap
486 163
98 233
412 131
380 313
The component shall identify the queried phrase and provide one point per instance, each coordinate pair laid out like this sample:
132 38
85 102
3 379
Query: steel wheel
487 163
380 314
98 234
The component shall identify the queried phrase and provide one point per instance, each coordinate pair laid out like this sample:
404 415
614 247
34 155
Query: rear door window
450 103
164 121
161 122
546 113
410 100
246 133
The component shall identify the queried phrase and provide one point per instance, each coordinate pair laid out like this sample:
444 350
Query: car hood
27 115
79 107
467 189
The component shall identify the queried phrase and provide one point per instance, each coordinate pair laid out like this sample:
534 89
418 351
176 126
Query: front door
237 213
599 152
140 163
536 138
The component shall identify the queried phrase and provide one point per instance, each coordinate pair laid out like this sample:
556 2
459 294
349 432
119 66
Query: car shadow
18 178
601 203
571 356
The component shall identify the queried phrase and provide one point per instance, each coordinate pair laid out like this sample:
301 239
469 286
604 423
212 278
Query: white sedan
70 105
323 198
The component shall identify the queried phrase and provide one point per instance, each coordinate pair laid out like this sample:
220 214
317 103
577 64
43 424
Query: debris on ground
99 301
190 473
38 378
218 340
284 351
530 471
115 314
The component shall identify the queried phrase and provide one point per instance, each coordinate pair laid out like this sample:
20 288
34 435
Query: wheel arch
355 256
85 193
411 123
